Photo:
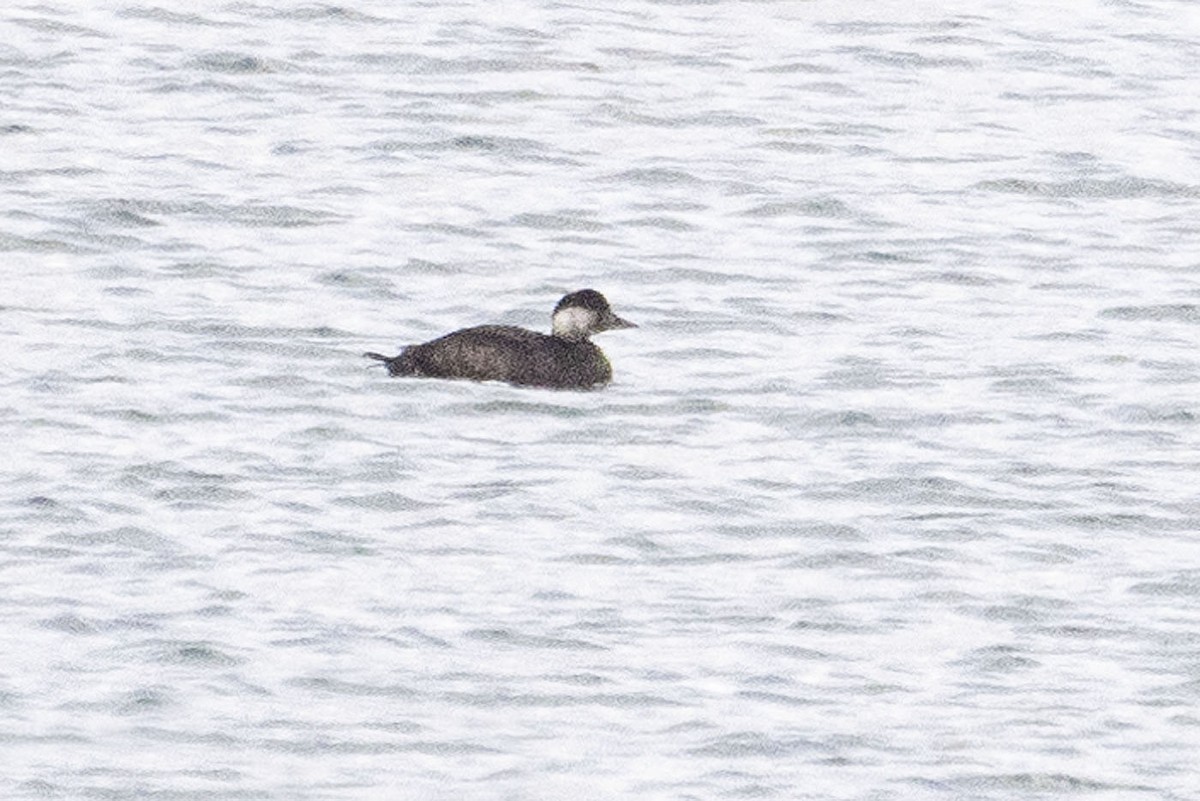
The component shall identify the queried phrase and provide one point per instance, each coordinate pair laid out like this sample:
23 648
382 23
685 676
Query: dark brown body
505 353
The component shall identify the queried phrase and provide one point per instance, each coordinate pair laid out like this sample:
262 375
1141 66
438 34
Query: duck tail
396 365
379 357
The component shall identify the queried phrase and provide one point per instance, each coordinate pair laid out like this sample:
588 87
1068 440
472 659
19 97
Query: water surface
893 495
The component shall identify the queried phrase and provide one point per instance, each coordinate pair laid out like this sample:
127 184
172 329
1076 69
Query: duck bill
612 322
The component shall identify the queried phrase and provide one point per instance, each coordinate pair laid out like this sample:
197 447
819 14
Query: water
893 496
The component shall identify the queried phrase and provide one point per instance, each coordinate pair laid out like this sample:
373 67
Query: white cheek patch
573 320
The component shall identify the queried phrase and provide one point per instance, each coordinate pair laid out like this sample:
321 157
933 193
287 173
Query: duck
563 359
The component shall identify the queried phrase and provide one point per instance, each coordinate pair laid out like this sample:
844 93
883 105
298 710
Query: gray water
894 495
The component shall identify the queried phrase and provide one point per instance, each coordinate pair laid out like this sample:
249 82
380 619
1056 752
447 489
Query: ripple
818 207
1035 783
653 176
382 501
1117 188
514 639
998 659
1184 584
742 745
169 17
1172 313
233 63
